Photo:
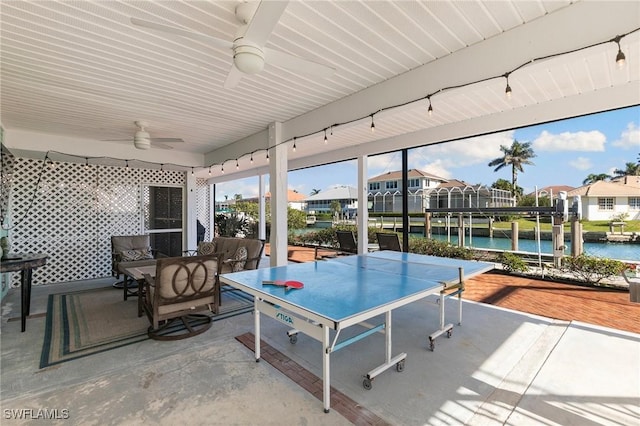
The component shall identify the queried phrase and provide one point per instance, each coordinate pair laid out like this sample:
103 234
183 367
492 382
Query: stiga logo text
284 318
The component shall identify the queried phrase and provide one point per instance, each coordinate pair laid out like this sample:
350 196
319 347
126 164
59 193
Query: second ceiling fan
258 20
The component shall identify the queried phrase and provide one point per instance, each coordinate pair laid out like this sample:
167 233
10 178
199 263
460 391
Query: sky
567 151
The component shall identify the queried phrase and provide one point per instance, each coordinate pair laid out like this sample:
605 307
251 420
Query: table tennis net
423 270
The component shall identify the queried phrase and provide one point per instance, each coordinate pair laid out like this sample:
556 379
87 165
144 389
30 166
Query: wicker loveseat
233 255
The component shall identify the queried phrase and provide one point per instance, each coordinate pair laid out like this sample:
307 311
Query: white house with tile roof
602 200
385 191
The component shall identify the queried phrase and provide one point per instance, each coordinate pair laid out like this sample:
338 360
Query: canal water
618 251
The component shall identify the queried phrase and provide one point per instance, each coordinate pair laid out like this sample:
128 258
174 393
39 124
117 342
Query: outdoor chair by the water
347 242
181 288
388 241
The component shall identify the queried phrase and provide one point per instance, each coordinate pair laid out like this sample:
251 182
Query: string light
507 90
162 167
126 164
86 163
237 165
620 58
222 168
620 61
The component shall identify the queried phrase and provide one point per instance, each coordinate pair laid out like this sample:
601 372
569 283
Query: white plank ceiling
80 71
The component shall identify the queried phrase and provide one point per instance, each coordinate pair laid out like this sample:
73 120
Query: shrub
592 270
438 248
513 263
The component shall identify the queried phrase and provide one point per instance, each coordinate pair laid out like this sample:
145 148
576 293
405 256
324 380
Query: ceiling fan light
248 59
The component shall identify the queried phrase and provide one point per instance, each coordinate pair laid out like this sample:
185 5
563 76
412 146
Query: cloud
630 138
247 187
441 158
570 141
581 163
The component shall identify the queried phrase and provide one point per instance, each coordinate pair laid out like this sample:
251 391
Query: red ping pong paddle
288 285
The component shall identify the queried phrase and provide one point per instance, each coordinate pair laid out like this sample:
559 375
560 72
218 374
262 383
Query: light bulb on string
237 165
86 163
294 144
209 170
373 126
251 159
192 171
620 58
325 136
222 168
430 109
126 164
267 155
507 90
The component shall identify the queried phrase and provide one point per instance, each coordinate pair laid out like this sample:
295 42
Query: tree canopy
516 156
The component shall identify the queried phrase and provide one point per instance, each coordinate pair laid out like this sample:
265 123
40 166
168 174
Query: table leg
326 371
256 320
125 285
25 296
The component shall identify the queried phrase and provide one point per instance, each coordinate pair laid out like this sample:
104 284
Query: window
634 203
391 184
605 203
374 186
162 209
414 183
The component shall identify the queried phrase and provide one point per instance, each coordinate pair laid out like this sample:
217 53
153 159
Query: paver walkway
592 305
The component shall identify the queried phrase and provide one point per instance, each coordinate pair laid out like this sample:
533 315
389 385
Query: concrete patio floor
500 367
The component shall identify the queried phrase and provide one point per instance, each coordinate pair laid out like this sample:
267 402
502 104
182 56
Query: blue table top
347 286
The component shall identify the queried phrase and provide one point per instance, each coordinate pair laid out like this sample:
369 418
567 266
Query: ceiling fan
142 139
257 20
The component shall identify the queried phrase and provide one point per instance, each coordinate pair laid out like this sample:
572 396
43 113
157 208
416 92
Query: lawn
587 226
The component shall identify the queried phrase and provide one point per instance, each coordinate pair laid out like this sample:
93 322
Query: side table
25 263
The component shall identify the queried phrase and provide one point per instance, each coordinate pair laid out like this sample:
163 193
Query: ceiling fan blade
233 78
166 140
160 145
295 63
181 32
264 20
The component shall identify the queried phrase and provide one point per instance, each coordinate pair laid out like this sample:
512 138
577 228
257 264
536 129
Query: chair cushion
241 256
133 255
205 248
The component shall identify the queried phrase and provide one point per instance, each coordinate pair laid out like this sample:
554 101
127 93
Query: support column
576 237
212 212
262 211
278 187
190 237
363 212
514 236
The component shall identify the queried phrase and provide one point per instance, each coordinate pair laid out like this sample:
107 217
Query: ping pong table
347 291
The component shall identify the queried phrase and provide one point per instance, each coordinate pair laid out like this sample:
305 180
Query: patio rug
87 322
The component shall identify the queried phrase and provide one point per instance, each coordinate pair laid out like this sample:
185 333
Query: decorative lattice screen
74 212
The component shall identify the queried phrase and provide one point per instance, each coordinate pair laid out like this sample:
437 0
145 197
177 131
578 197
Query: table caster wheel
400 366
366 383
432 345
449 333
293 339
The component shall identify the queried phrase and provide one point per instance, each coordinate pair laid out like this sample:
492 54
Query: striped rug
86 322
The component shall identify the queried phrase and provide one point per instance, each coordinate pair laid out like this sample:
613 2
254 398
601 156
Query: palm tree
592 178
517 155
631 169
